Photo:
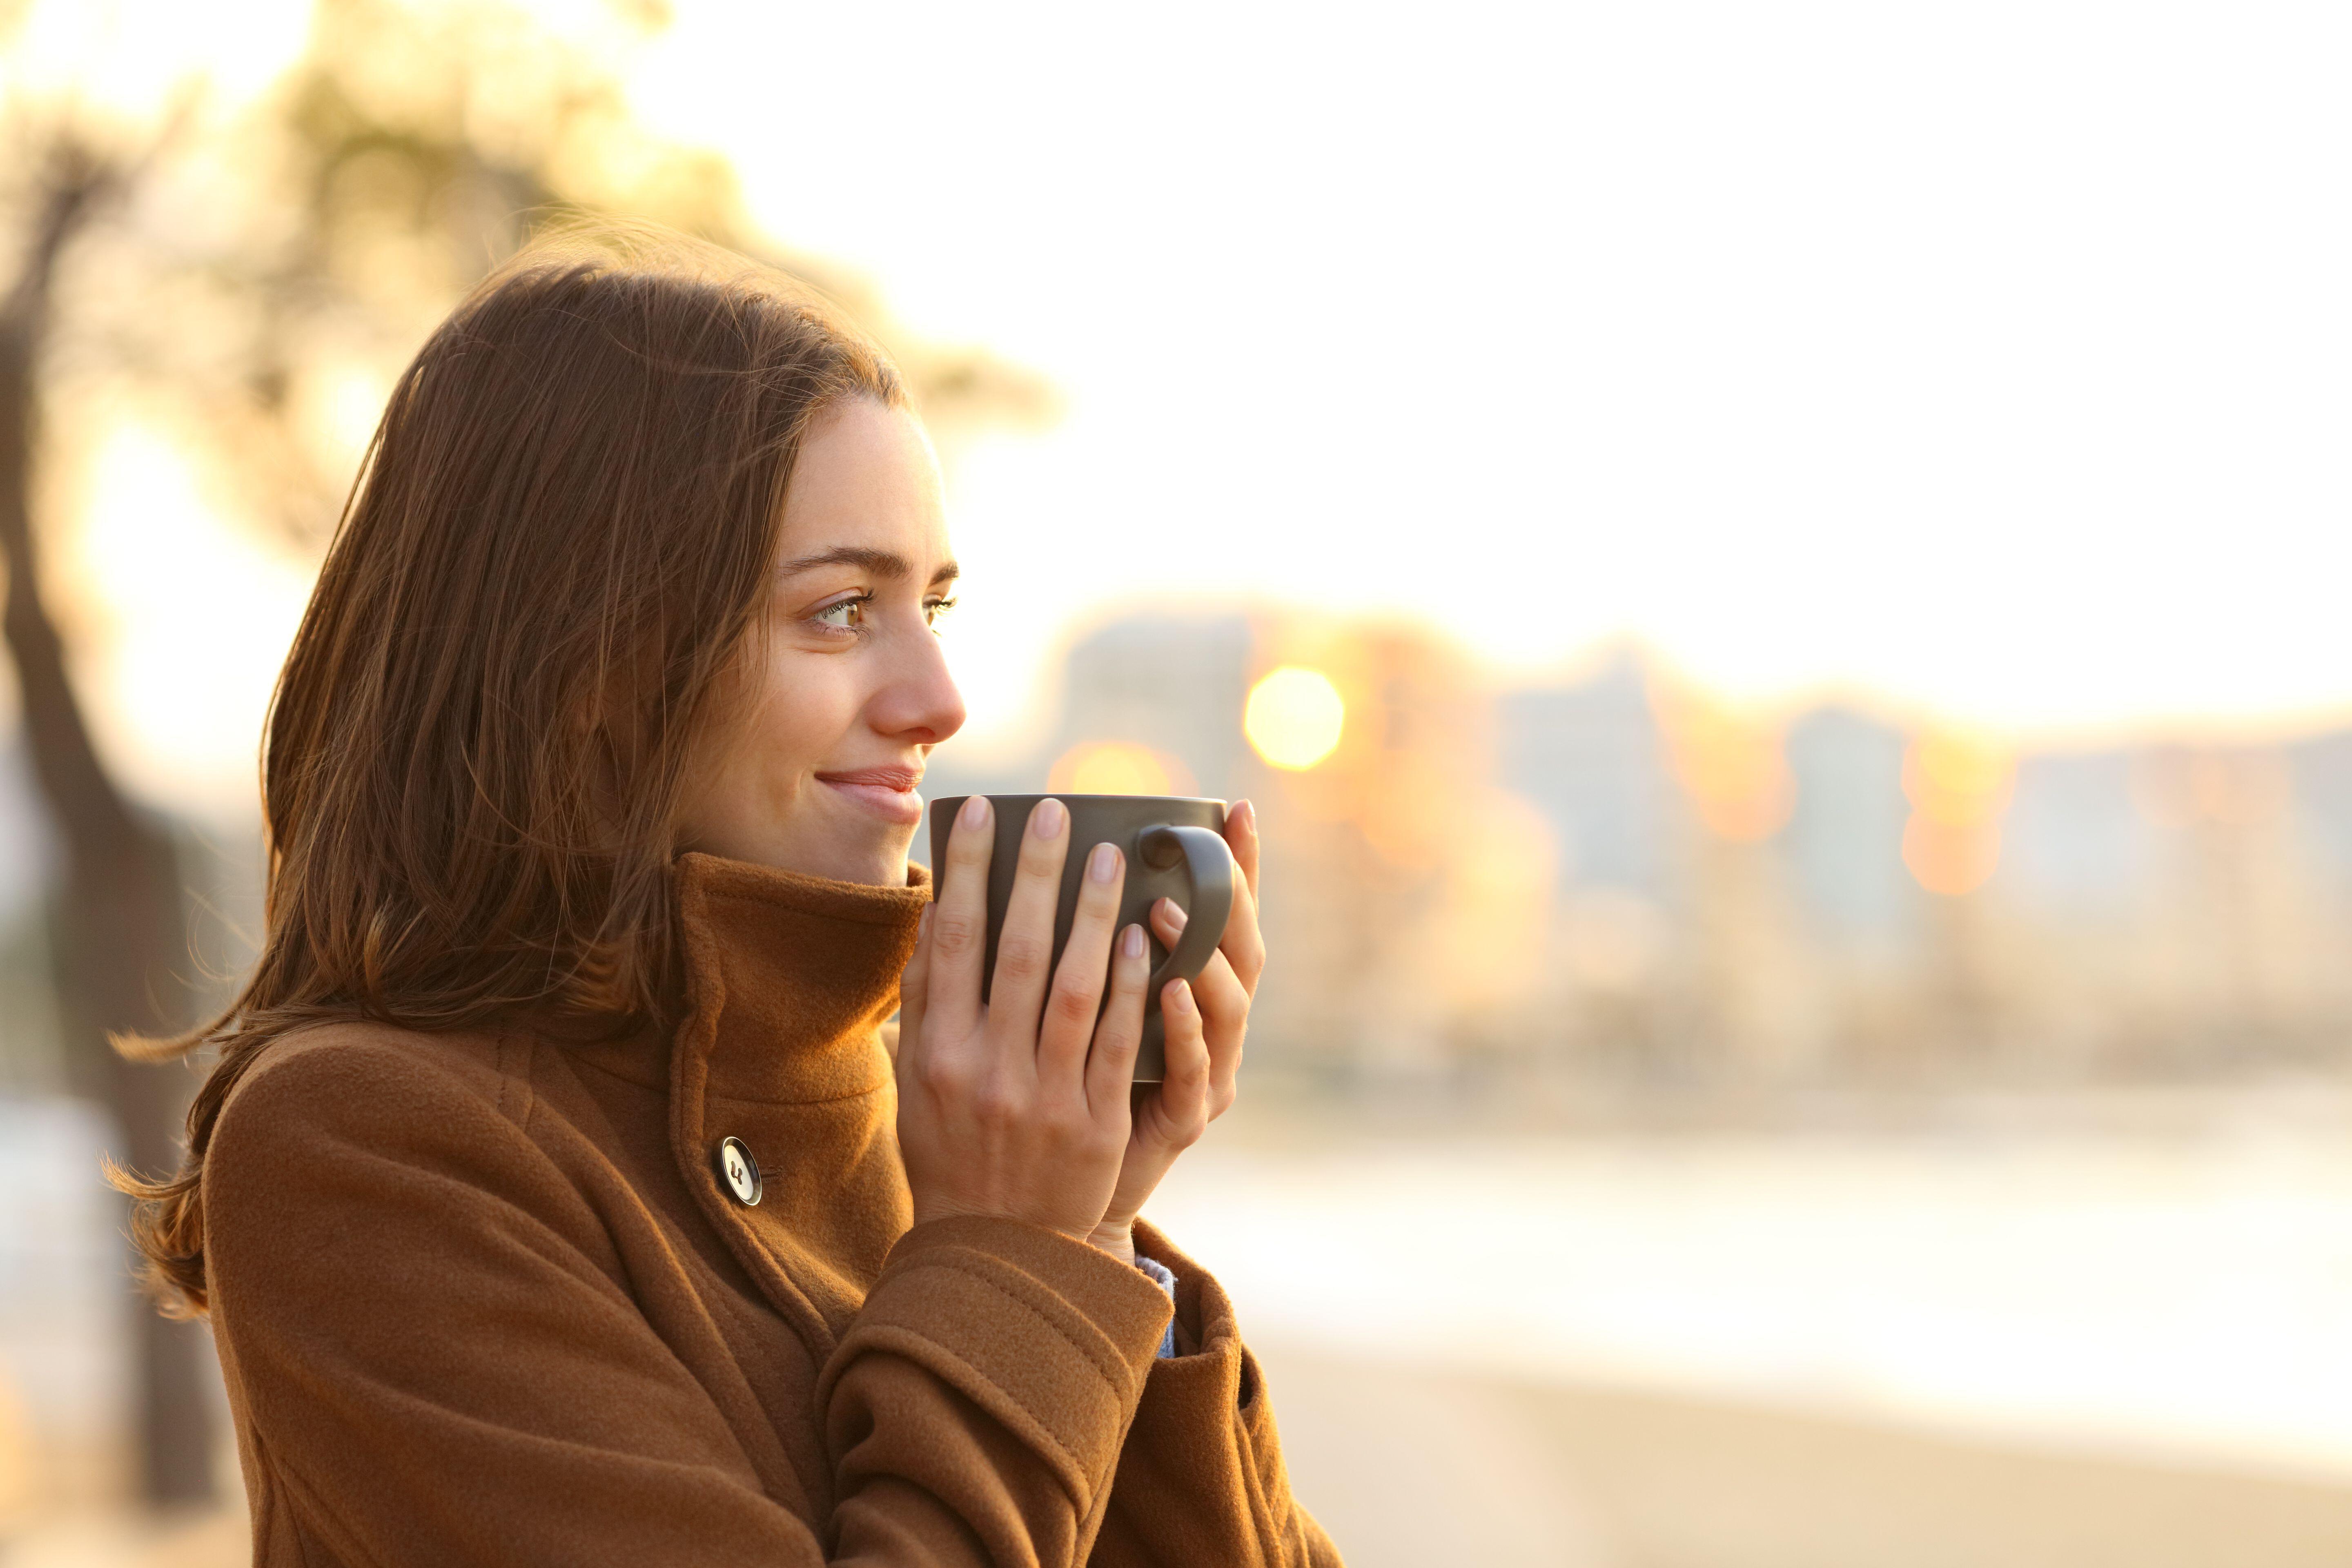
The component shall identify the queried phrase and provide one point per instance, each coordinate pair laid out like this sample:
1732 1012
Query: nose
918 701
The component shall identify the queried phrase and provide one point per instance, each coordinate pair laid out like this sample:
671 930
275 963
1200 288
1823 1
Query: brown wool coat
483 1299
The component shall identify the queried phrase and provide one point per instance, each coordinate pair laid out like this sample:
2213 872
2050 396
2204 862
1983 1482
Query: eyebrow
881 562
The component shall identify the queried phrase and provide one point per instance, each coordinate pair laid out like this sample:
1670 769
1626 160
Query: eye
935 609
851 611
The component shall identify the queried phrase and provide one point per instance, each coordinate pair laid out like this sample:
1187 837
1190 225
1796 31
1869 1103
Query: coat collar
789 978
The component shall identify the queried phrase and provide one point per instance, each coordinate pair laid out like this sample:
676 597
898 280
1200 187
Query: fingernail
1177 997
1046 821
1131 942
1174 913
1247 812
974 813
1103 864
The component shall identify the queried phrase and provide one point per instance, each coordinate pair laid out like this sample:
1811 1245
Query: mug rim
1074 795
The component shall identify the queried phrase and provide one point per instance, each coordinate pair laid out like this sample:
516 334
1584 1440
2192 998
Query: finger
1224 1013
1024 948
913 983
1075 1000
1244 940
1241 838
1110 1066
1224 1006
959 929
1182 1107
1241 946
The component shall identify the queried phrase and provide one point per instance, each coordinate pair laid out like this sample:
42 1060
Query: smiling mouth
889 792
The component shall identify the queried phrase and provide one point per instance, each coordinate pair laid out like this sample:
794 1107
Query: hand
1018 1107
1204 1023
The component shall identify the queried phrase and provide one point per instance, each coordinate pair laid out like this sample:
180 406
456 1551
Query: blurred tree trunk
446 153
121 937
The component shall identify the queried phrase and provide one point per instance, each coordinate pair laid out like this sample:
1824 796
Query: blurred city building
1613 880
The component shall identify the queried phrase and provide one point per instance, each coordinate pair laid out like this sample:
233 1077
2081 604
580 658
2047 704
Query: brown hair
557 543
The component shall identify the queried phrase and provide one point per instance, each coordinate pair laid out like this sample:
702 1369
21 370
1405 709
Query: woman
545 1199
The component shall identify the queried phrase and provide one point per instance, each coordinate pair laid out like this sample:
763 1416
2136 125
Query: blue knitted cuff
1165 1277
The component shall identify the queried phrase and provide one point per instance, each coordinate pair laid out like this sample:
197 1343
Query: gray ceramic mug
1175 847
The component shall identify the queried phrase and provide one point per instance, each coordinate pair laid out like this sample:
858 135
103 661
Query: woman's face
842 691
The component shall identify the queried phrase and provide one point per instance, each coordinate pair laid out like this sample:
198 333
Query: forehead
865 475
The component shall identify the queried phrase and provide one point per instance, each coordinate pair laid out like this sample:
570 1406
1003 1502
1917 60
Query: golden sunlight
1293 717
1731 766
1117 767
197 615
1958 778
1958 785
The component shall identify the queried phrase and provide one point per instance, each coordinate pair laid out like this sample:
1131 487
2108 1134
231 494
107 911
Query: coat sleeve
438 1362
1201 1479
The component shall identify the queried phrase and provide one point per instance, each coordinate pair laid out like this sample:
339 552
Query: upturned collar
789 978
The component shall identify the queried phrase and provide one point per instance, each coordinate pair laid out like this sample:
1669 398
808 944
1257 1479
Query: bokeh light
1117 767
1732 766
1294 717
1958 785
1958 778
1950 859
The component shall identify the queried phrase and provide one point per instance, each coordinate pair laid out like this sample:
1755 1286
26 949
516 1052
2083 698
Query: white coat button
738 1171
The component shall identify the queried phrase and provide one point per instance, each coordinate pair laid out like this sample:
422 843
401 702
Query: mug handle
1209 864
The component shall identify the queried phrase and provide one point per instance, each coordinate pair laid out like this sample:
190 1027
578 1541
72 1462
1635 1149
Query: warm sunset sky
1997 358
1992 359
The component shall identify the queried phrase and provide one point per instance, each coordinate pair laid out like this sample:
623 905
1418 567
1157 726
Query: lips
888 778
889 792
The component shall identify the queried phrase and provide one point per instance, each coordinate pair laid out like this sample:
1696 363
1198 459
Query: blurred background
1776 573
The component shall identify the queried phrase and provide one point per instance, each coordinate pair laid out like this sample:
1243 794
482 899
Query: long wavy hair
556 545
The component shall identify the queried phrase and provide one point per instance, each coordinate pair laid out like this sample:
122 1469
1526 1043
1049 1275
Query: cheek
803 710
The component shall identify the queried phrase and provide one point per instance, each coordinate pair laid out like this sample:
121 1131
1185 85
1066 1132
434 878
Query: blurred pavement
2093 1340
1415 1468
